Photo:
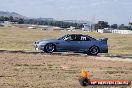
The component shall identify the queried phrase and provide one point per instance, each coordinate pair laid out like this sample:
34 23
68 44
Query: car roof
79 34
83 35
74 34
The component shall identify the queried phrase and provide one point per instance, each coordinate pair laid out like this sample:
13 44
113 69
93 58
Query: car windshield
62 37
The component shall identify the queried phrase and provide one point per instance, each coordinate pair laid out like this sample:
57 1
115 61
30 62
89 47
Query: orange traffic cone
85 73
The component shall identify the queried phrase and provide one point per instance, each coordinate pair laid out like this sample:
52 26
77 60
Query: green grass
14 38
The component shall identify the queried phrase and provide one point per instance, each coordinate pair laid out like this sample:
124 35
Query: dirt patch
19 70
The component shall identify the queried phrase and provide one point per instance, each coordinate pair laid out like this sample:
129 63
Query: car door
84 42
74 44
69 43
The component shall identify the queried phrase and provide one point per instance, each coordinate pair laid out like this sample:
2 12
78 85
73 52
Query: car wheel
49 48
93 50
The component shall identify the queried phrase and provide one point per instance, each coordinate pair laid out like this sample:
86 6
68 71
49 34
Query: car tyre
94 50
49 48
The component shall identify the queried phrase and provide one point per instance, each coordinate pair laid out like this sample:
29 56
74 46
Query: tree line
103 24
61 24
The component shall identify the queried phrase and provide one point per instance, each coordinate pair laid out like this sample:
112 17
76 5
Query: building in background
87 27
115 31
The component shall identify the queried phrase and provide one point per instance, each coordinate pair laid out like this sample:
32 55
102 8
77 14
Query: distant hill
13 14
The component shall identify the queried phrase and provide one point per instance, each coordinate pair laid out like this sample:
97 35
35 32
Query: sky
112 11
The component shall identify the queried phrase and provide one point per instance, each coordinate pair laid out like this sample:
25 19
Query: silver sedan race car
73 43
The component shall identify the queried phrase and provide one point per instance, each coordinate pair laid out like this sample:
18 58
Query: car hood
46 40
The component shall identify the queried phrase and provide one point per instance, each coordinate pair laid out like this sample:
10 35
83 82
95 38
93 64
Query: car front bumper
39 47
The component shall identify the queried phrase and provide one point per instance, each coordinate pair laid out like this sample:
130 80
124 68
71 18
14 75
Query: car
77 43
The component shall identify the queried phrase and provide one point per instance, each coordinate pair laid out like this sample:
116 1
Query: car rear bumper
104 50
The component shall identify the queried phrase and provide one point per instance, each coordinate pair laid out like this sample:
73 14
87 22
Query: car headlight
40 43
36 42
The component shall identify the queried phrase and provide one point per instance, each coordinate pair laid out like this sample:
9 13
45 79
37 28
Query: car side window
70 37
84 38
78 38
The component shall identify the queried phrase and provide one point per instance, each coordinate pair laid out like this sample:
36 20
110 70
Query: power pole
93 23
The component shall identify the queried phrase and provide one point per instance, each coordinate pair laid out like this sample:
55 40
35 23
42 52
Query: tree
122 27
21 21
114 26
6 18
101 25
130 23
11 18
2 18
